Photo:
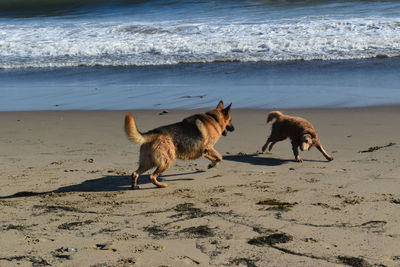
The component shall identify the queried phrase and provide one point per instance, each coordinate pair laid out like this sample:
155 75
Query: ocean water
177 52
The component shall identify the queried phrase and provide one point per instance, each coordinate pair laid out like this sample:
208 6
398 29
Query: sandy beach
65 196
69 71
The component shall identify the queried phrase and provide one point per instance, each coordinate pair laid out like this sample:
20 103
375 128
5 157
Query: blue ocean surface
181 54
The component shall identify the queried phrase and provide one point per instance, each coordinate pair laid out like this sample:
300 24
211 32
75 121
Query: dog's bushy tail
131 130
274 115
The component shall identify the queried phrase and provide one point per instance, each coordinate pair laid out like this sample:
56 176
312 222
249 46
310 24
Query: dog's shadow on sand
256 159
108 183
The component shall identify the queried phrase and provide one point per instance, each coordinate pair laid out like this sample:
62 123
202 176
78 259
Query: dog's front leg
212 155
295 148
322 150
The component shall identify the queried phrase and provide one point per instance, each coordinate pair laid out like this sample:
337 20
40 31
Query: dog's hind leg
266 145
163 155
271 145
212 155
272 140
155 174
146 162
136 174
322 150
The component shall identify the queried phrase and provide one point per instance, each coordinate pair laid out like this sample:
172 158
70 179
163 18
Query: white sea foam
62 44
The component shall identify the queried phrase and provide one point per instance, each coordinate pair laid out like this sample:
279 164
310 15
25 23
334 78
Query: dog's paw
162 185
299 160
212 165
135 187
330 158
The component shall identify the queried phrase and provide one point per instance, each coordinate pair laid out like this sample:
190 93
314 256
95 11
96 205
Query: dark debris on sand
157 231
374 148
270 239
276 205
35 261
74 225
244 261
201 231
353 261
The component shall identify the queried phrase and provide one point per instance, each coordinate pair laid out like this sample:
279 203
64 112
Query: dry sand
65 197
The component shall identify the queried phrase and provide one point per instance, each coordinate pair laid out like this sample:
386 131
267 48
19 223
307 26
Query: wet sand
65 197
259 85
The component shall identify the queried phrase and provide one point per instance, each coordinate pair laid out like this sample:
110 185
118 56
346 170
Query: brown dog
192 138
301 133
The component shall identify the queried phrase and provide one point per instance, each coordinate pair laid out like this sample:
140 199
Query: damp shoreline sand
65 195
258 85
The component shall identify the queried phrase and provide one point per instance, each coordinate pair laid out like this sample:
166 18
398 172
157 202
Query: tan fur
301 132
197 135
131 130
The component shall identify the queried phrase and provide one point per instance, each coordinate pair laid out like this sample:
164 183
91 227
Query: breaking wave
88 43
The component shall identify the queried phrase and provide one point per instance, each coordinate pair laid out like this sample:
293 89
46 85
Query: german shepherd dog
300 131
192 138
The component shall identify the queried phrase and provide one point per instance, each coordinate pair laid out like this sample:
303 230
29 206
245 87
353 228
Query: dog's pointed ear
227 109
220 105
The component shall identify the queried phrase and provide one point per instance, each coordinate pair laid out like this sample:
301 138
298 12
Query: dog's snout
305 146
230 128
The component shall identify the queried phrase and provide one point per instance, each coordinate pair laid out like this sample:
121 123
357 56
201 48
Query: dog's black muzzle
228 128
